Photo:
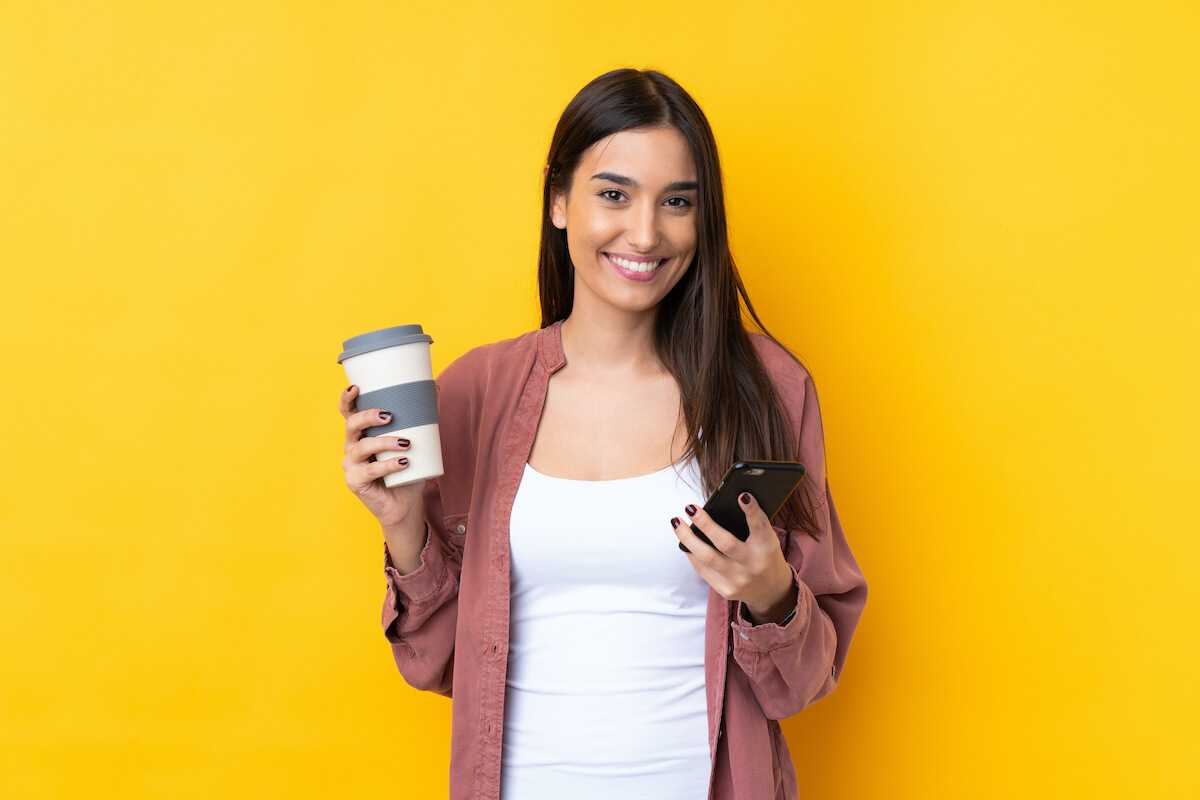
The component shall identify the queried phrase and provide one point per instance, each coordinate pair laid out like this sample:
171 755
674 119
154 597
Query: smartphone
770 482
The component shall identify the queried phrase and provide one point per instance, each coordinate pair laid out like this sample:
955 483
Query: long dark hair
731 408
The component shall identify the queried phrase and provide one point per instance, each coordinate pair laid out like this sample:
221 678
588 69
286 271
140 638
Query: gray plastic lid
387 337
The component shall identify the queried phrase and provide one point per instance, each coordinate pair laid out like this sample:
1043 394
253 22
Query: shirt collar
549 349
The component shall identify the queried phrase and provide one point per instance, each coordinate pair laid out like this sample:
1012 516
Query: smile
634 266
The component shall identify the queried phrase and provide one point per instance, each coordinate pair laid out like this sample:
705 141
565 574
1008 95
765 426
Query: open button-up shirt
448 620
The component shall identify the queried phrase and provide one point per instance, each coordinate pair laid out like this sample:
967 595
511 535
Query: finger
369 448
756 519
364 475
372 446
346 401
722 539
358 422
698 550
707 562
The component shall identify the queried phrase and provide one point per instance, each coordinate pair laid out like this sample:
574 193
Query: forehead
655 155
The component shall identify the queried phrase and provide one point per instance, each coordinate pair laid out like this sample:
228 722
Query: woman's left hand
754 571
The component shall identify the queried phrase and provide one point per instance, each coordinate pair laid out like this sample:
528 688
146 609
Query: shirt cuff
772 635
423 582
404 592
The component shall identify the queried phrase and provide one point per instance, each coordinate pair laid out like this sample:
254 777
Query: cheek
684 236
592 231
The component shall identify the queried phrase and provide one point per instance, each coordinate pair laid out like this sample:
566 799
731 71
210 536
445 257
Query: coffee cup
393 371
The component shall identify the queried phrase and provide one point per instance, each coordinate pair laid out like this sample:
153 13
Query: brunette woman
540 580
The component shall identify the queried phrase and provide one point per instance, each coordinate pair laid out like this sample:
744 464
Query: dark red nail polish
402 462
403 442
351 386
675 523
744 498
691 510
385 415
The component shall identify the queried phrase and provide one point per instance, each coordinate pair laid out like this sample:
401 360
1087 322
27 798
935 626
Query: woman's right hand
399 508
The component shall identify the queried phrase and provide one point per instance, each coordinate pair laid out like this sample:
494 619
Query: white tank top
605 689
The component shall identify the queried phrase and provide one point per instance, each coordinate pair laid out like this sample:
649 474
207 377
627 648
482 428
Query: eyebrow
677 186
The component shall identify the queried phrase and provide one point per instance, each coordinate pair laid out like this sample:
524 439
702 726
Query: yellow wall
979 222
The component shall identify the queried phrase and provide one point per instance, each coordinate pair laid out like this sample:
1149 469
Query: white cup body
378 369
388 366
424 455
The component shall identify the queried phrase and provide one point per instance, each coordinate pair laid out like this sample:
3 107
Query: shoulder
785 370
798 396
489 365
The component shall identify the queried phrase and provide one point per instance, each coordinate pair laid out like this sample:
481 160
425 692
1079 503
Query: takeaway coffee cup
392 370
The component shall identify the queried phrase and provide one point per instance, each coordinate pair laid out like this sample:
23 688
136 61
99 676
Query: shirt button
462 529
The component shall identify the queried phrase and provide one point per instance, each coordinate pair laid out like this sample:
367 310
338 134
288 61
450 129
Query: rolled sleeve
411 599
768 636
789 665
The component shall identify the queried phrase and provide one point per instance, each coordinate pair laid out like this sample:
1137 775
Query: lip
637 258
639 277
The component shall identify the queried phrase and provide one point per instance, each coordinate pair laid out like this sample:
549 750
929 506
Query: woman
540 579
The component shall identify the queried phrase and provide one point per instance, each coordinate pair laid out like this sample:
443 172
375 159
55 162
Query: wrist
412 527
779 606
404 545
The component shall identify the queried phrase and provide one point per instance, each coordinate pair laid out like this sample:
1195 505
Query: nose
643 232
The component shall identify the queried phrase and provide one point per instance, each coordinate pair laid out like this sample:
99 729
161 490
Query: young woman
540 579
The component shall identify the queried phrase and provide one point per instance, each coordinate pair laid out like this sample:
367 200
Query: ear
558 203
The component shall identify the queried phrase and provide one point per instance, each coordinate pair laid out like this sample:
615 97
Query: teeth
636 266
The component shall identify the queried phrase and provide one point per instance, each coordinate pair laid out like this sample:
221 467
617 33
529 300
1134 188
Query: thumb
756 518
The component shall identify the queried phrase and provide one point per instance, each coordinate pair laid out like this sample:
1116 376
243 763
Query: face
631 220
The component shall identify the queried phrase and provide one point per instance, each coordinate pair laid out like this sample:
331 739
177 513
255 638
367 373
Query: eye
683 202
613 195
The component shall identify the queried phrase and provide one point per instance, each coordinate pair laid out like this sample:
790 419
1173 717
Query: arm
791 661
791 666
420 608
795 661
420 564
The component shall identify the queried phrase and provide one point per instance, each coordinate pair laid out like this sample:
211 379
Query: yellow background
978 222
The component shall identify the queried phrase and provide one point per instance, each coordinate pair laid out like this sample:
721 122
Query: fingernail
385 415
402 462
351 386
744 498
675 523
403 442
691 510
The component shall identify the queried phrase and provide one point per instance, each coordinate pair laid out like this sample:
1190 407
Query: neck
614 343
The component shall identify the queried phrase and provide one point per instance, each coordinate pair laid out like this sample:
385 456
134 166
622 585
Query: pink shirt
448 621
